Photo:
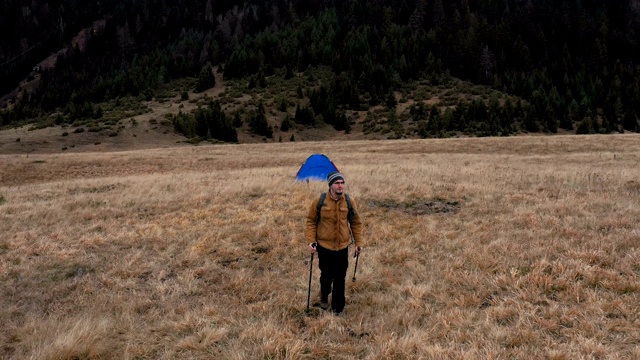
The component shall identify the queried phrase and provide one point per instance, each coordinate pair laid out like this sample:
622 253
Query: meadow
523 247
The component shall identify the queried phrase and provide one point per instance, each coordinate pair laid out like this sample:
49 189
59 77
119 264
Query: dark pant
333 271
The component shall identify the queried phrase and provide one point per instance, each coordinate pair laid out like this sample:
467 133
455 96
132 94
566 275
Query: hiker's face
337 188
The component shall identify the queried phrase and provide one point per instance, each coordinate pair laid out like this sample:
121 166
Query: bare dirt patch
418 207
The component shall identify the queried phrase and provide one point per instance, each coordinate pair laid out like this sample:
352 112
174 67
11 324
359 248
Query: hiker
329 232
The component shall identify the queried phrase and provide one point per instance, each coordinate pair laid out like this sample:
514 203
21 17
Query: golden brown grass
523 247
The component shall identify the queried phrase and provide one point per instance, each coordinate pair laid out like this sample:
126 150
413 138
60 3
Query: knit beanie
333 177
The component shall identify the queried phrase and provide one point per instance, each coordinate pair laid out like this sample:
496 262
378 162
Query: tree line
573 63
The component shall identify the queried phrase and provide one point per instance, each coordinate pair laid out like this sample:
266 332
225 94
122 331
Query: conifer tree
206 79
285 125
258 122
390 100
237 121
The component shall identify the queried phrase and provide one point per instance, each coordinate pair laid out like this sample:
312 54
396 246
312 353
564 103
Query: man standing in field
331 221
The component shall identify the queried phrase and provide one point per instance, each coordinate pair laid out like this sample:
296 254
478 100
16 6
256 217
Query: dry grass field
477 248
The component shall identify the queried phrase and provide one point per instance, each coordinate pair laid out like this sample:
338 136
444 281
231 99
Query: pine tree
288 74
237 120
304 115
285 125
206 79
391 101
258 122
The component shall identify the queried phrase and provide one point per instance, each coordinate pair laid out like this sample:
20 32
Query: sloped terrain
133 124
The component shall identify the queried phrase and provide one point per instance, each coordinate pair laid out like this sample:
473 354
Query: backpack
350 214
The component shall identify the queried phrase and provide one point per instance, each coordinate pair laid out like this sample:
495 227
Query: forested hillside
571 64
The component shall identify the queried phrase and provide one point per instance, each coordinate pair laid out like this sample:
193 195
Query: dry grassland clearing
479 248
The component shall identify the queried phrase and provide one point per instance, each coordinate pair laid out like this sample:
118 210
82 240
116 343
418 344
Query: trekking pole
357 255
310 274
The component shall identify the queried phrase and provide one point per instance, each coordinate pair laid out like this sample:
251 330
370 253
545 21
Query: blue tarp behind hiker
316 168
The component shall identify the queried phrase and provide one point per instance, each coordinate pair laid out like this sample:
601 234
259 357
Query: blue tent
316 168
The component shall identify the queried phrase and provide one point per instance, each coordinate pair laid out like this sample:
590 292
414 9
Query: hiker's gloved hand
312 247
358 250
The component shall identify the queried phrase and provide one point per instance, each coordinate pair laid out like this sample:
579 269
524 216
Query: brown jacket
332 232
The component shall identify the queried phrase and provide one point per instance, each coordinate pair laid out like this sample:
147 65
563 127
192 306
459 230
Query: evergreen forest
569 65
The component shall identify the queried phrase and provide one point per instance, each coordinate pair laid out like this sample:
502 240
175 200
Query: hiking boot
321 303
339 314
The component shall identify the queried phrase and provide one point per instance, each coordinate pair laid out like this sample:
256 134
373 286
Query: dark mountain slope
572 63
